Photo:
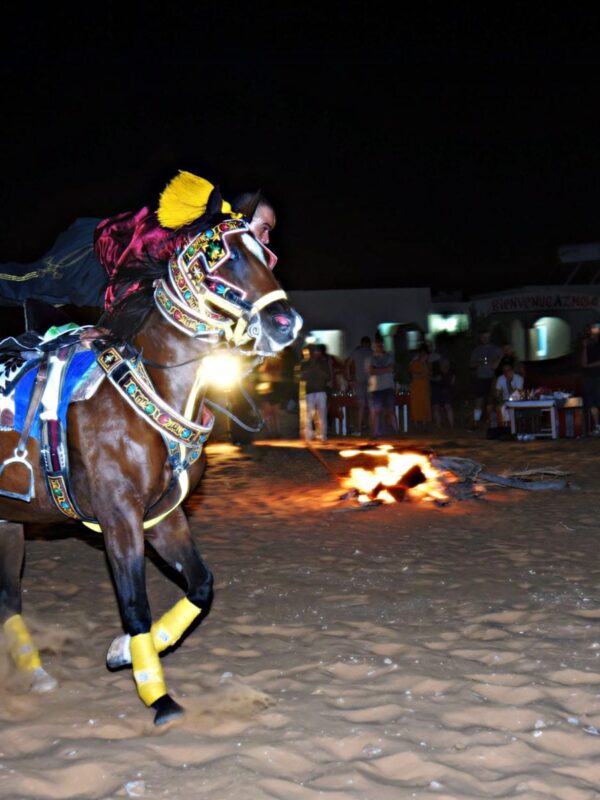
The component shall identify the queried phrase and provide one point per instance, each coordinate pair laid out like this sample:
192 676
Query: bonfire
424 476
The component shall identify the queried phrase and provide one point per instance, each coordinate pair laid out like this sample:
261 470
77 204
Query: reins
148 362
250 400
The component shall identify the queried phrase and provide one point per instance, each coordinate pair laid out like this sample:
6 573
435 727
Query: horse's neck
163 344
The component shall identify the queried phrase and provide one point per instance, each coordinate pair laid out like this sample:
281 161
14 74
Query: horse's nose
283 321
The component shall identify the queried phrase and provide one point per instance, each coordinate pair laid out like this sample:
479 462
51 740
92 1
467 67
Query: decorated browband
183 298
211 247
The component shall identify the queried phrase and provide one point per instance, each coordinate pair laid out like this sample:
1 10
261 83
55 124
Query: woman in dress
420 388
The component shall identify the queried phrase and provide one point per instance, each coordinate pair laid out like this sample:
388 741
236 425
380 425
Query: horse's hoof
167 710
42 681
119 652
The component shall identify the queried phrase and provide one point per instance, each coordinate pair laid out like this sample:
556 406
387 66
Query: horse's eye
233 255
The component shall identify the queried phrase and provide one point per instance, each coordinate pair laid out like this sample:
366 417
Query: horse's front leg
172 540
125 549
20 644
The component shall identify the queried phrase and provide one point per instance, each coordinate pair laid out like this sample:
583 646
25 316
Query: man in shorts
485 358
381 391
358 378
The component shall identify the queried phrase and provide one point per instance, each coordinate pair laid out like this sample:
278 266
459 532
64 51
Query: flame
370 483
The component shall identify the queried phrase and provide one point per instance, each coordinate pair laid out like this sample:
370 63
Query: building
340 317
542 322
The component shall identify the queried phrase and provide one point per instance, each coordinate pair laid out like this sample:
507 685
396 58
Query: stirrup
19 457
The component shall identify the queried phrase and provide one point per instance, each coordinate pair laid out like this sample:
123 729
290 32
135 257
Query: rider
86 249
263 220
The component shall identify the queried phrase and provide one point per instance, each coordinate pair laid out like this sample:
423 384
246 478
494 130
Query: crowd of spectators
440 389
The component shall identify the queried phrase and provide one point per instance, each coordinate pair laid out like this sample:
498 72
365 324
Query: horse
130 450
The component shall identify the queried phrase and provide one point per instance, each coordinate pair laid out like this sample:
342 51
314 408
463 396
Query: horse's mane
133 286
133 283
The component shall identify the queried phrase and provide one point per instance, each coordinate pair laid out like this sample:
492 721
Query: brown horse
134 447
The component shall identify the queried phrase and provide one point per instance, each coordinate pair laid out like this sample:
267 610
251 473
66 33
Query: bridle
200 303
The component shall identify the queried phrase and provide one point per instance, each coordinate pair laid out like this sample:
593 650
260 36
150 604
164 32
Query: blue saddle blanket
77 370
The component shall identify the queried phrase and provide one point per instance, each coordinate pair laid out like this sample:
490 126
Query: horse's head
221 284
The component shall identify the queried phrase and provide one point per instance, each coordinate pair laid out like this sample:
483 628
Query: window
413 339
541 341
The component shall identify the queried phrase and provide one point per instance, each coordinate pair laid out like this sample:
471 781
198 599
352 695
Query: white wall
358 312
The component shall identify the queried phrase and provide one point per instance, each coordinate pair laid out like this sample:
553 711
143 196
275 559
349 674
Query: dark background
455 150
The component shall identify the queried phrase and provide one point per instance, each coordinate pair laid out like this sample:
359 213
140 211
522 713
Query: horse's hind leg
172 541
125 550
20 645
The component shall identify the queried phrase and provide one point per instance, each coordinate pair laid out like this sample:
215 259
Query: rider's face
263 223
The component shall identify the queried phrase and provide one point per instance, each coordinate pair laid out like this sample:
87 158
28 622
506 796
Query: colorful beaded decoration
60 495
136 388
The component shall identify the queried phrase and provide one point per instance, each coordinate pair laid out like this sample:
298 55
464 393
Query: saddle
40 375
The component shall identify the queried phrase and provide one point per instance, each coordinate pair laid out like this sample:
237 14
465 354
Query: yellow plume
183 200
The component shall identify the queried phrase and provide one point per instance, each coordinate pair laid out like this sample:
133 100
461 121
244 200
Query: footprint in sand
224 652
574 677
374 714
490 657
509 695
55 782
481 716
271 760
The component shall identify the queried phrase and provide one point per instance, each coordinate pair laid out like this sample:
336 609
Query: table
571 418
546 405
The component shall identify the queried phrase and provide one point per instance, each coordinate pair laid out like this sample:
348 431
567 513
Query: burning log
412 477
400 477
398 492
469 470
424 475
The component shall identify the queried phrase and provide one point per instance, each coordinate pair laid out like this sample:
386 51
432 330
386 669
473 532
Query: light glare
222 371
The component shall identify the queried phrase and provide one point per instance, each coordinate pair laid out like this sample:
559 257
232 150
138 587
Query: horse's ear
215 202
247 204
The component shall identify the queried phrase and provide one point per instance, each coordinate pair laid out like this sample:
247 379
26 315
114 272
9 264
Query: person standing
485 358
356 368
444 399
509 356
590 365
289 362
315 380
380 367
420 388
269 388
435 378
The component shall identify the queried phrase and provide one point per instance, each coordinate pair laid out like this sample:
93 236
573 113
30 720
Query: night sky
452 152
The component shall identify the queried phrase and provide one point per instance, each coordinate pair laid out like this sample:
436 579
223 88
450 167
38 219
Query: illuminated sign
538 301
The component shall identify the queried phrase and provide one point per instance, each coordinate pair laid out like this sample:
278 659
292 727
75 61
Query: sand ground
405 651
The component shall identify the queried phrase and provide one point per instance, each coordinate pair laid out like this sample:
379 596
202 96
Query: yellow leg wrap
173 624
24 653
147 669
